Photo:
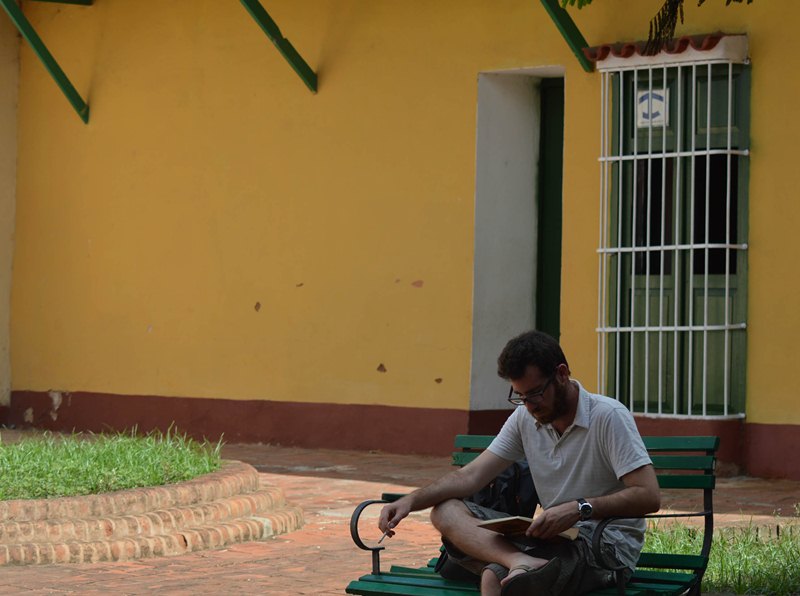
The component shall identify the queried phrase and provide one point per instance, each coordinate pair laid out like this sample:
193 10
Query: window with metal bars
673 246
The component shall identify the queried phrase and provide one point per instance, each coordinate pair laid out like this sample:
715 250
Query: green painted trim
26 30
569 31
550 208
284 46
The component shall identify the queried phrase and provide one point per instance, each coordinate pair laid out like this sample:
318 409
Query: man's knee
447 513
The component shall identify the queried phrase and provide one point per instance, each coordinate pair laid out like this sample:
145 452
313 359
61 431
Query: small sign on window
652 108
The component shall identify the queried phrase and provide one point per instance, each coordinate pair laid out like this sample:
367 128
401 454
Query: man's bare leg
459 526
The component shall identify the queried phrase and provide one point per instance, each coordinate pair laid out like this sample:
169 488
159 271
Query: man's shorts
579 571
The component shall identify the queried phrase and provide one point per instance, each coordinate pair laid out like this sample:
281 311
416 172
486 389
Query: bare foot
522 564
490 585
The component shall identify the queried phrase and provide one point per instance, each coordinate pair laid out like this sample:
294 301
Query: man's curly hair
531 348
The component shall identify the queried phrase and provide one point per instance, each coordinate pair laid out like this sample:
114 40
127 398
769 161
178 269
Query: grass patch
51 466
749 560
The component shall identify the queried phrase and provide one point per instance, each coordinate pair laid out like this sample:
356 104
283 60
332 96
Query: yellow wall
9 74
210 179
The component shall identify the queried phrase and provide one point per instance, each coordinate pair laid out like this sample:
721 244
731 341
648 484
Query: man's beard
560 406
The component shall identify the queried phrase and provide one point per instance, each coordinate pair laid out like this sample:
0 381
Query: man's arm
639 497
458 484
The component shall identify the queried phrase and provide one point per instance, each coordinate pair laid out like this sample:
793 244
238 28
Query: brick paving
320 558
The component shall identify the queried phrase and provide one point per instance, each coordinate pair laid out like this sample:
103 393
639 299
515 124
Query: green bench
681 463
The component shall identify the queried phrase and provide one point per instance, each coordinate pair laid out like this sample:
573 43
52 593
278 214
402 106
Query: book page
516 526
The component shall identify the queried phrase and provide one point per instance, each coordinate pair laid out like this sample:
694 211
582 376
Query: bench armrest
614 566
376 561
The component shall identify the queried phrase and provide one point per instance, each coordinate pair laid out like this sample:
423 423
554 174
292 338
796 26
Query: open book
516 526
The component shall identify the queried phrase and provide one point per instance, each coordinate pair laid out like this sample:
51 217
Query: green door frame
551 166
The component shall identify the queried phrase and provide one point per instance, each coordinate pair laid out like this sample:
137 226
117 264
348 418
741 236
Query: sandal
539 581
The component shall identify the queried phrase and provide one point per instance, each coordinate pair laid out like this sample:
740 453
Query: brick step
225 507
176 542
232 479
159 521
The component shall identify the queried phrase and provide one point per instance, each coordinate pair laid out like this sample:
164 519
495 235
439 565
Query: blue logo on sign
652 98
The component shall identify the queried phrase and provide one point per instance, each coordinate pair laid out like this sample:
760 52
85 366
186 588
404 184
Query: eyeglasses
518 401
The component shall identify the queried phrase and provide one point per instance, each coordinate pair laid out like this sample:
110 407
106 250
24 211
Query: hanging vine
662 25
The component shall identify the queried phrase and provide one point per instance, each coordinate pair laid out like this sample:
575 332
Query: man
588 462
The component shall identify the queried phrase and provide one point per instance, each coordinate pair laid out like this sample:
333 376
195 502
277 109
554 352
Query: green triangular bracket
25 28
569 31
286 49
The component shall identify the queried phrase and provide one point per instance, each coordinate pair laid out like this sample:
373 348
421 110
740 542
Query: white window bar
662 262
602 235
632 293
728 143
619 271
693 187
631 198
678 212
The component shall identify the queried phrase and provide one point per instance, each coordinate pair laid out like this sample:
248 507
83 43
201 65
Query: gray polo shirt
588 460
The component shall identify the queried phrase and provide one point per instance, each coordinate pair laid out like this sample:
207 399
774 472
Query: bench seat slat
410 582
373 588
635 589
413 570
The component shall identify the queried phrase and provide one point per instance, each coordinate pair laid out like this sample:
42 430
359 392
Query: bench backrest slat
703 463
462 458
686 481
471 446
473 441
652 443
681 455
684 462
709 444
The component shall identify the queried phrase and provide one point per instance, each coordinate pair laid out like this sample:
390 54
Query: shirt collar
582 413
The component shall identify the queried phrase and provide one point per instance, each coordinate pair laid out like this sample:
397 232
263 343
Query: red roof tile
679 45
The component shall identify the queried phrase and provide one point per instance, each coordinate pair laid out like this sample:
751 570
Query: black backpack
513 492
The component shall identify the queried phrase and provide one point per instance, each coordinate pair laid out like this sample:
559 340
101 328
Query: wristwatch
584 509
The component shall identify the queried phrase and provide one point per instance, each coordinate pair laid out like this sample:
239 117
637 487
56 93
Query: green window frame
673 247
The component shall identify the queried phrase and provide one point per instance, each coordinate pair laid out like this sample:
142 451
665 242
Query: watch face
585 511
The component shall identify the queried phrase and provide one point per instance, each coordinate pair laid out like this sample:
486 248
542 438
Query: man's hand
392 514
457 484
553 521
639 497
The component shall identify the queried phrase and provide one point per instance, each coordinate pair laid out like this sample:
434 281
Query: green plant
53 466
662 26
746 560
